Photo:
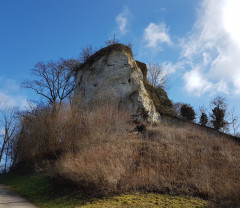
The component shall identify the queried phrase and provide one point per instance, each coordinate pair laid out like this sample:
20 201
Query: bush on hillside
187 112
45 135
160 99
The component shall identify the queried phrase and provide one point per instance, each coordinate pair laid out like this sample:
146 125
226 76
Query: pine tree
203 119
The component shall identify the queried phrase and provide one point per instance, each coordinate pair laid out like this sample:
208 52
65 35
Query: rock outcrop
112 76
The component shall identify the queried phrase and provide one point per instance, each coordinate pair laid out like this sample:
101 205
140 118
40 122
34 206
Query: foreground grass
147 200
42 191
46 193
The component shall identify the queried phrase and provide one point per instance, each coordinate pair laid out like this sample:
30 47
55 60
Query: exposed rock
113 76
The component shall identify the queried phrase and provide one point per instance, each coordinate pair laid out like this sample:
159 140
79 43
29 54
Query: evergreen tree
187 112
218 113
203 119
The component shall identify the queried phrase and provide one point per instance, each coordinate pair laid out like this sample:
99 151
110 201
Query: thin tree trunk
6 159
1 154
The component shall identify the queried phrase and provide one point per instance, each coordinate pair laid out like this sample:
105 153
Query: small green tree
187 112
217 116
203 119
219 108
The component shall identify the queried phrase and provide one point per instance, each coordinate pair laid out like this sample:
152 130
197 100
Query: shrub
47 135
187 112
160 99
203 119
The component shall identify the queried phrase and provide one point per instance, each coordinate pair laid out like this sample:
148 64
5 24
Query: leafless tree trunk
6 157
234 122
8 126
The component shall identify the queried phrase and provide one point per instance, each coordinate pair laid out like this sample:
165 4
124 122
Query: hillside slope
103 155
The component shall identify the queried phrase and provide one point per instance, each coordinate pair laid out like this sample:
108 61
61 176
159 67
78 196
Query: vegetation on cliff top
105 51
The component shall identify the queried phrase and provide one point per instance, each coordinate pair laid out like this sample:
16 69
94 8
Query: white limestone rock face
115 78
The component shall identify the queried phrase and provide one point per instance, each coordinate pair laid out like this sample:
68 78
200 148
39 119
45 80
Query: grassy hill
90 154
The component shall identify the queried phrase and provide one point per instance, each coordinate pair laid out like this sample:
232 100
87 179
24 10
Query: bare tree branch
234 122
86 53
54 80
156 75
8 128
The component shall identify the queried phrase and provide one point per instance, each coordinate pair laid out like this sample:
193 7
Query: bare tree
177 108
8 128
54 80
234 122
86 53
2 100
156 75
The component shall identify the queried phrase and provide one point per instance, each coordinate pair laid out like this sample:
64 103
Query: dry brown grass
46 134
101 153
194 162
168 160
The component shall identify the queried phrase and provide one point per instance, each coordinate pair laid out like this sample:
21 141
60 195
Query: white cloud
11 94
195 82
122 21
222 86
14 101
231 19
171 68
214 49
156 34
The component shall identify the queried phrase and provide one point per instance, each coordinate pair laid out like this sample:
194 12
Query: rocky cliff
112 76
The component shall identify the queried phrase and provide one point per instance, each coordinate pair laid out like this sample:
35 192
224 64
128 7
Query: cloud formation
171 68
14 101
11 95
195 82
156 34
212 50
122 21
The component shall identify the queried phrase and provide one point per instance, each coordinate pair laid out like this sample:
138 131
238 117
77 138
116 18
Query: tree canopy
219 108
187 112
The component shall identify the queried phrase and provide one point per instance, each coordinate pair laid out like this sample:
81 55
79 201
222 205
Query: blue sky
196 41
